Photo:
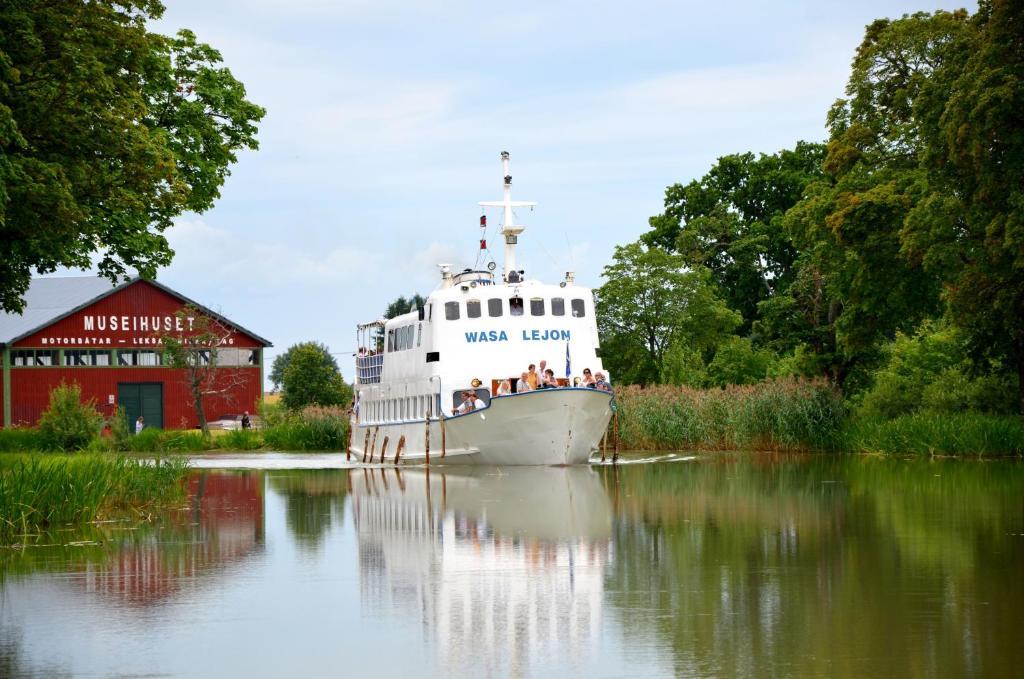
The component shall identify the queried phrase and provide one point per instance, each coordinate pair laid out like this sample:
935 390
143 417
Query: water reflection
721 565
509 561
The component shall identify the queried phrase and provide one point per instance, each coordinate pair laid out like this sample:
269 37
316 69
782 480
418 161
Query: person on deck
470 403
549 380
523 383
588 379
532 377
601 383
504 388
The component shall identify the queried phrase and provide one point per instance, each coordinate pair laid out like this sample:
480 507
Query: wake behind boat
429 383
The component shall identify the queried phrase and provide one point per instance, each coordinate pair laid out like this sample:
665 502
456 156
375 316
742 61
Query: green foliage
281 362
68 423
403 306
40 491
107 132
649 302
737 361
730 222
929 371
21 440
312 428
120 432
936 434
240 439
312 378
772 415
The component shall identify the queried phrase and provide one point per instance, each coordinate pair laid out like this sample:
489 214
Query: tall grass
312 428
772 415
41 491
965 434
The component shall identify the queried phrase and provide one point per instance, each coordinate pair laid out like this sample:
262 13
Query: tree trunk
197 398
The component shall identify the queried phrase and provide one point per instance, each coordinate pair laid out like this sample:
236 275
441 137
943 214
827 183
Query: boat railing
369 368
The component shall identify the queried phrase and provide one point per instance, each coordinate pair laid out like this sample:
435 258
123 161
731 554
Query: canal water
675 565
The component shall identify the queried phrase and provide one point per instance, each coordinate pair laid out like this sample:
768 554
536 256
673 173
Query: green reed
38 491
964 434
313 428
772 415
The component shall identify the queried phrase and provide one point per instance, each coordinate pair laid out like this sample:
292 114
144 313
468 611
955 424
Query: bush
21 440
312 428
239 439
68 423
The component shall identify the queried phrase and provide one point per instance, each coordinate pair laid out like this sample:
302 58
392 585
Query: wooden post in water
426 435
383 449
398 450
373 443
348 446
366 445
444 442
615 434
604 444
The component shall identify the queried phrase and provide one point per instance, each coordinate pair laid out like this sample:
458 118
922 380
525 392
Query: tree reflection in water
841 567
314 502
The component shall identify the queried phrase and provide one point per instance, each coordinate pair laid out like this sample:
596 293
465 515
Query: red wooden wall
93 328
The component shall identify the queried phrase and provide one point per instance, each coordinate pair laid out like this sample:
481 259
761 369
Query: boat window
473 308
536 306
494 308
515 306
430 312
451 311
557 306
577 308
419 334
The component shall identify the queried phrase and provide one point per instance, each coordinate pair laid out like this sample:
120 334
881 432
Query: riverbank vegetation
887 261
40 491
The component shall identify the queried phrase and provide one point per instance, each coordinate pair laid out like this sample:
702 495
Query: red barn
107 338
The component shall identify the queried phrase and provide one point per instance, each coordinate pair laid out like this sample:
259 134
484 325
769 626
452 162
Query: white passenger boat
472 333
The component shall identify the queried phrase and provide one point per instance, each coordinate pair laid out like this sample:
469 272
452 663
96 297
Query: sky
385 121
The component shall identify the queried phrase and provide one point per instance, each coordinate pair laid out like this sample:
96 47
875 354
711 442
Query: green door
142 398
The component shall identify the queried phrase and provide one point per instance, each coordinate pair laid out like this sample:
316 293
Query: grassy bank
961 434
39 491
311 429
774 415
787 415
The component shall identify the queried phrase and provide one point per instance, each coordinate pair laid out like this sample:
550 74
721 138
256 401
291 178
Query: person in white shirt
470 403
139 424
523 384
504 388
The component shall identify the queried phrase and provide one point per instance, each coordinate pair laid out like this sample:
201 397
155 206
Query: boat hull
544 427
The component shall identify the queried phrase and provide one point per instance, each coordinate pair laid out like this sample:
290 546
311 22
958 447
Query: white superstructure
472 333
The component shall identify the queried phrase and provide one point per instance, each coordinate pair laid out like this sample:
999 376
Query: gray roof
50 299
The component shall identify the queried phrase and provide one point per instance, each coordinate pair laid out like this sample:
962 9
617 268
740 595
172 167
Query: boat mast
509 230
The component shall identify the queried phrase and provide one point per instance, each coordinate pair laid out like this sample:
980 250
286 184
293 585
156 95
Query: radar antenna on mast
509 230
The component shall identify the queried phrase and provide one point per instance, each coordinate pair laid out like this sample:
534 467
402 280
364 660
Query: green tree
281 362
312 378
730 221
968 229
107 132
649 302
403 306
862 287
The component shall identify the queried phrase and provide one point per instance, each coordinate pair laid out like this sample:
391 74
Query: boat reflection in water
503 567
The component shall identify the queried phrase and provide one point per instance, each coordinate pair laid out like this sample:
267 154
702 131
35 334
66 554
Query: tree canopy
651 301
107 132
311 377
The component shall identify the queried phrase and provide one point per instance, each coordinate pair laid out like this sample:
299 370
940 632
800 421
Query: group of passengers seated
597 381
544 378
